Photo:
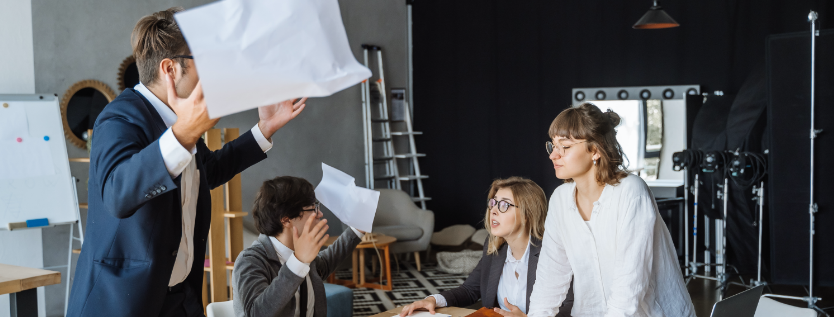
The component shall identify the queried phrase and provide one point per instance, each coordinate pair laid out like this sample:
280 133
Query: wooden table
382 242
454 311
21 284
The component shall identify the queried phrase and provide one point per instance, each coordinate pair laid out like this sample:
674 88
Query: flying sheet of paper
28 158
425 314
355 206
13 122
252 53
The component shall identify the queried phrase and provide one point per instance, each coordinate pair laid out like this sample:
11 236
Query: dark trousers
175 303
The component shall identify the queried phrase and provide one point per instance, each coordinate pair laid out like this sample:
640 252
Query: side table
382 243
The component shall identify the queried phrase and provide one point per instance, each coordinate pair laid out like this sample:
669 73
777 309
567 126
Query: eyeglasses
317 209
184 56
561 149
502 205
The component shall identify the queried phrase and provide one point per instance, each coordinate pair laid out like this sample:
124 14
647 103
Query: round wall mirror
128 73
80 107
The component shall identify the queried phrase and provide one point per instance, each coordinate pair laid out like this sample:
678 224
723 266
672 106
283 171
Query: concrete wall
17 76
88 39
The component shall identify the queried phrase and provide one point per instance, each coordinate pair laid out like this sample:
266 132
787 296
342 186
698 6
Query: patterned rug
409 286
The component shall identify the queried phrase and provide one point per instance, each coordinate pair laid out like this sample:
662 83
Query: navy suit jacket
134 220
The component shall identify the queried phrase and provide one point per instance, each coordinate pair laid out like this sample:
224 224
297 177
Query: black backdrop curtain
490 76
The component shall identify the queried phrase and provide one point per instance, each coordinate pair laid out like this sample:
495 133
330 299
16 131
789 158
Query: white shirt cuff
265 144
175 156
359 234
441 301
296 266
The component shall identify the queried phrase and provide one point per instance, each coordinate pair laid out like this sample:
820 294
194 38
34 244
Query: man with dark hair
281 273
150 175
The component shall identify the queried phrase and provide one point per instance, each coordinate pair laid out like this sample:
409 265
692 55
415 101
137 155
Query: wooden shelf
80 159
83 205
76 251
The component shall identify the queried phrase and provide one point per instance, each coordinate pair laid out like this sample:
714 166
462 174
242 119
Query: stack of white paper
252 53
355 206
425 314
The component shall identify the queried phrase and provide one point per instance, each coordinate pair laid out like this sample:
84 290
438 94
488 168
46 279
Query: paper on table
30 158
355 206
252 53
425 314
13 122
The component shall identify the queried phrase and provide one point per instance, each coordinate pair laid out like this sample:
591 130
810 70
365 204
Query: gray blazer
482 283
264 287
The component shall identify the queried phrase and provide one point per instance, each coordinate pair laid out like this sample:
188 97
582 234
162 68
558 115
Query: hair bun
613 117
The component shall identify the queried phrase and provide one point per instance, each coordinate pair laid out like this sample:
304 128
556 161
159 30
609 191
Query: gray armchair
399 217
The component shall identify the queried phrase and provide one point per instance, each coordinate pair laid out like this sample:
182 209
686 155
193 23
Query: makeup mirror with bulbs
653 125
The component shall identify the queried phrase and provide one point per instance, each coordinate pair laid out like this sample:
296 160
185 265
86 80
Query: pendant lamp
656 18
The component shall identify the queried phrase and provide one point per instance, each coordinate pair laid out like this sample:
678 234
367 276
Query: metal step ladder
417 177
383 124
384 137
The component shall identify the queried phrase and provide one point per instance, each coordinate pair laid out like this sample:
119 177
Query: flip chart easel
36 187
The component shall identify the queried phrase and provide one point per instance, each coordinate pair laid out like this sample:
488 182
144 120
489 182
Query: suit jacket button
174 254
162 188
148 196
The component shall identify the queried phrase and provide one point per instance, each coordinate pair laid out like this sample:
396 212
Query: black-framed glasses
561 149
316 209
502 205
184 56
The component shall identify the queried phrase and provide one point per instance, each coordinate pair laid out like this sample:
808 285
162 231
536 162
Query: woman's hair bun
613 117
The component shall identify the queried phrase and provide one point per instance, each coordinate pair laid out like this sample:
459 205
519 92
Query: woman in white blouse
603 229
504 276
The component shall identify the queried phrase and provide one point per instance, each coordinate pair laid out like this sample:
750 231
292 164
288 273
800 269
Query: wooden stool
382 242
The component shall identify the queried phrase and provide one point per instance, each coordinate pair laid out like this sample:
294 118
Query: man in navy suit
150 176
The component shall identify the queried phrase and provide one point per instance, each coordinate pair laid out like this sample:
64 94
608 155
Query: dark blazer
134 218
264 287
482 283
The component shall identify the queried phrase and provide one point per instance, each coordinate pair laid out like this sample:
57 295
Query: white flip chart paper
354 206
13 122
252 53
29 158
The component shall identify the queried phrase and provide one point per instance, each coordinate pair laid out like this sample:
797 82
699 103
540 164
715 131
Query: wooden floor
704 295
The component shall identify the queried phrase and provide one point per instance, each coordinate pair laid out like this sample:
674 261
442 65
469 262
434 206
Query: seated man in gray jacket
281 273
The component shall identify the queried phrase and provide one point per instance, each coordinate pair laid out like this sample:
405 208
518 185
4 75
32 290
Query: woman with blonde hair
516 208
603 230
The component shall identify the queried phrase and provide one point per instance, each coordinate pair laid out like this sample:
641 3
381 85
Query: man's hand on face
309 241
274 117
192 115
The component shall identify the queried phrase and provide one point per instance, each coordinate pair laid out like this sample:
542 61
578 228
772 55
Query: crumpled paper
252 53
354 206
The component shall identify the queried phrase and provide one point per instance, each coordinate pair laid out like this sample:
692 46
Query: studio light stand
760 200
812 205
686 160
692 267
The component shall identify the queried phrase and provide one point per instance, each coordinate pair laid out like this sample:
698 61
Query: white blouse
626 267
512 287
